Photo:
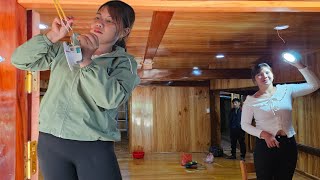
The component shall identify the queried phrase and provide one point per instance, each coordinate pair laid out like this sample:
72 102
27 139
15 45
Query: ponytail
121 43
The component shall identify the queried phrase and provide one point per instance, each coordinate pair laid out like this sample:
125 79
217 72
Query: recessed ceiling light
195 68
43 26
196 72
219 56
282 27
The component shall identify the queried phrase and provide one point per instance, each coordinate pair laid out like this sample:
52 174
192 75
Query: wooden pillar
12 92
215 118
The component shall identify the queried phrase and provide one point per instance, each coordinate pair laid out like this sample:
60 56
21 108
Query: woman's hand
270 139
58 30
89 43
297 64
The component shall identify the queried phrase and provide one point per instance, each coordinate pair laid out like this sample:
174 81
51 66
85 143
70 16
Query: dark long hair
257 69
123 15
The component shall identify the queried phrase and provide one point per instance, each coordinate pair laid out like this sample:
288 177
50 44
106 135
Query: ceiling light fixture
219 56
196 71
289 55
281 27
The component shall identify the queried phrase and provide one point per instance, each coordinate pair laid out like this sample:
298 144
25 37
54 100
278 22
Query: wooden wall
306 122
217 84
170 119
12 103
306 117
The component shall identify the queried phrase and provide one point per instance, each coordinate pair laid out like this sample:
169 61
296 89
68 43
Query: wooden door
12 95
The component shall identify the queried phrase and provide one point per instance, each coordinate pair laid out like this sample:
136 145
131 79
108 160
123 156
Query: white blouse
274 113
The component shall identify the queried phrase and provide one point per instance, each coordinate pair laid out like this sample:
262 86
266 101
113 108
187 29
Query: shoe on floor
231 157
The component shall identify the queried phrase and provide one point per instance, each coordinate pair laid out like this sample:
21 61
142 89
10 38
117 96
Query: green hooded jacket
80 104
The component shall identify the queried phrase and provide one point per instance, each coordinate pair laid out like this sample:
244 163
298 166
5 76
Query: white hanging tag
73 55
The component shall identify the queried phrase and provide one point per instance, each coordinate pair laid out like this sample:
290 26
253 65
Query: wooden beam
215 118
159 25
309 150
191 75
175 83
188 6
182 74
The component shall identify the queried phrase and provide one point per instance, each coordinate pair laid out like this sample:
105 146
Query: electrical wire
281 37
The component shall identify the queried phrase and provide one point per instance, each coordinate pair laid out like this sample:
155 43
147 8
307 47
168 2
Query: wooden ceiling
181 34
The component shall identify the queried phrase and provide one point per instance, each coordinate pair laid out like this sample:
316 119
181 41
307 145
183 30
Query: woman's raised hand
58 30
297 64
89 43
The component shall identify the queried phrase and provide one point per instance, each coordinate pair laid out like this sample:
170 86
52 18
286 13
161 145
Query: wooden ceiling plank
189 6
183 74
159 25
189 74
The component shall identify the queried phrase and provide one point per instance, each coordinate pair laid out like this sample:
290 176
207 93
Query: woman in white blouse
275 154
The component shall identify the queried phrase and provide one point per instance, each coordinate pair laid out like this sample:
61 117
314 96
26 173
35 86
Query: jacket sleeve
246 121
312 84
110 90
36 54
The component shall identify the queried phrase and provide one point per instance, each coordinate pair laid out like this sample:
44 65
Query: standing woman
77 114
275 154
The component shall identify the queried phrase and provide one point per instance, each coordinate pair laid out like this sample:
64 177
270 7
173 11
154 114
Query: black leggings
62 159
275 163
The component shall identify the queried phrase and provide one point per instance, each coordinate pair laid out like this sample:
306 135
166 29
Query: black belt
283 137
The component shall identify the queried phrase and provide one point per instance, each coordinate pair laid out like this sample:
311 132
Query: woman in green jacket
77 114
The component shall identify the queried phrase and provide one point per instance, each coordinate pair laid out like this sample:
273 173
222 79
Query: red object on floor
138 154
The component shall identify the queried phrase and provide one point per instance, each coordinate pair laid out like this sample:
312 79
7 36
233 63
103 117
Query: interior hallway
167 165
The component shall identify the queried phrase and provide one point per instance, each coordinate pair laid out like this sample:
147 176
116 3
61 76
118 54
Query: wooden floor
167 166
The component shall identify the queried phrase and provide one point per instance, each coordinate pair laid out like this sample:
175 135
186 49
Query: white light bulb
288 57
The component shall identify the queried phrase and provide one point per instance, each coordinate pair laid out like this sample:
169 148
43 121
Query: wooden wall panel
309 164
216 84
141 119
199 117
12 98
179 119
306 121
